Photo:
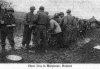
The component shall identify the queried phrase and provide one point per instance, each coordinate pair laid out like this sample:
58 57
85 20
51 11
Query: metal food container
14 59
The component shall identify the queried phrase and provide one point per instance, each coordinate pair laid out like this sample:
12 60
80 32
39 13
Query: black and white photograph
50 31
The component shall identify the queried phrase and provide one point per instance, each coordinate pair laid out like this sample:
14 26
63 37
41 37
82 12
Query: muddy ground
80 52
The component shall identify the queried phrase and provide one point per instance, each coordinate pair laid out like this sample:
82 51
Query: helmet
56 15
41 8
32 8
68 11
61 13
47 12
10 9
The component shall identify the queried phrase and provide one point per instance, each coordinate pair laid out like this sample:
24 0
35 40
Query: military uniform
61 15
7 30
28 27
67 25
42 23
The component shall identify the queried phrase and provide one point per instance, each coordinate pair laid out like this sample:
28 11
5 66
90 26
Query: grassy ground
80 52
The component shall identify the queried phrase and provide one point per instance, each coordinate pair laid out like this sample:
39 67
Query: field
80 52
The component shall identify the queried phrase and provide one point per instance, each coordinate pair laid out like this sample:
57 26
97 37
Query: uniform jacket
29 18
8 19
42 18
68 22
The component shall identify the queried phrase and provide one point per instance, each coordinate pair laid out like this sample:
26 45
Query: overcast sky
80 8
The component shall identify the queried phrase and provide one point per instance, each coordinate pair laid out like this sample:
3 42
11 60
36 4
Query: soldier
61 15
7 28
67 25
42 20
28 27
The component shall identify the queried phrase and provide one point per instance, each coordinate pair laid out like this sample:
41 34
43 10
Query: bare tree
5 4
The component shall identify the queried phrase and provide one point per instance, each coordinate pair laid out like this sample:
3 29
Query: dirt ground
80 52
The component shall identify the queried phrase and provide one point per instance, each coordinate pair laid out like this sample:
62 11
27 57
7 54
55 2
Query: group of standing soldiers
47 31
39 25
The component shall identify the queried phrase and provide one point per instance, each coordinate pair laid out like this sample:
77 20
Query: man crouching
55 31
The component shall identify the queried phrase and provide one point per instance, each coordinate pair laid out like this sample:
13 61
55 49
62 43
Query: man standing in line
67 25
42 20
28 27
7 28
61 15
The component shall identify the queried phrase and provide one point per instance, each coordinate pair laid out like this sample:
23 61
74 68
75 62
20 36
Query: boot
23 46
3 54
27 47
12 46
3 48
